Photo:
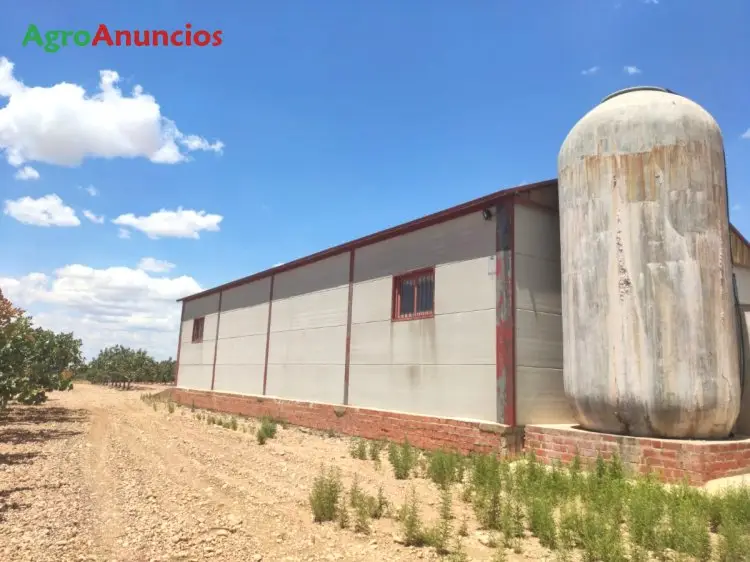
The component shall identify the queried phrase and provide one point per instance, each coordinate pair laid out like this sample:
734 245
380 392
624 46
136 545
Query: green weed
403 459
325 495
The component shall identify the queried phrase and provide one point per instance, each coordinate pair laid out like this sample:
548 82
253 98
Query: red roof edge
405 228
739 235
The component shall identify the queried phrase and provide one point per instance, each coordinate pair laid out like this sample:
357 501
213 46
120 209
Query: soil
96 474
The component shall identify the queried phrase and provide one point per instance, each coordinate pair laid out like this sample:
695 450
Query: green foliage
411 521
445 468
33 361
403 459
325 497
267 430
376 447
439 535
119 364
358 449
366 506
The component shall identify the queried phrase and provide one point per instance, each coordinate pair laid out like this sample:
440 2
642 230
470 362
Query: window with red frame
414 295
198 330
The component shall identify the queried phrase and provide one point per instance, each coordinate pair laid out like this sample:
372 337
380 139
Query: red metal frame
396 295
216 342
739 235
268 334
505 327
198 322
411 226
348 353
179 347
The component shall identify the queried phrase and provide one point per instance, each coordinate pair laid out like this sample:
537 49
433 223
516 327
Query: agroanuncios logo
55 39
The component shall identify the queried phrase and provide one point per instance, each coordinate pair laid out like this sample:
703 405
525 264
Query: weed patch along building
447 330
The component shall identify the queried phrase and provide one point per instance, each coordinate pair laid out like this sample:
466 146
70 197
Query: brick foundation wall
422 431
674 460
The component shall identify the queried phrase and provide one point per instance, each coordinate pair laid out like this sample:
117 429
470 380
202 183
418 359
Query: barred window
414 295
198 330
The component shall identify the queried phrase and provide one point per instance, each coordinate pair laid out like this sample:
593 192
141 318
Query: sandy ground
97 474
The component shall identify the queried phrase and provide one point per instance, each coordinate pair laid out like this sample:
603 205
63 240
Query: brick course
674 460
422 431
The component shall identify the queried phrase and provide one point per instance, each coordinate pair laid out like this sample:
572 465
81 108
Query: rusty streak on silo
650 347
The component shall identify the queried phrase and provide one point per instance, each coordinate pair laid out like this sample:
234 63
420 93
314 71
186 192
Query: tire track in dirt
286 524
218 499
103 485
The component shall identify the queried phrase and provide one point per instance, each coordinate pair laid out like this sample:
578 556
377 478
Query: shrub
363 503
444 468
486 486
233 423
362 517
440 534
403 458
542 522
463 529
376 447
325 495
358 449
267 430
342 512
411 521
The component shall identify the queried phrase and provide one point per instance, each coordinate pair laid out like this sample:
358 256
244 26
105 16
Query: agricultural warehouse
612 302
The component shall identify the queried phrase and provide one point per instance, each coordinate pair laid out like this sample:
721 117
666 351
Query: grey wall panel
458 391
242 379
201 307
461 239
318 276
245 296
313 383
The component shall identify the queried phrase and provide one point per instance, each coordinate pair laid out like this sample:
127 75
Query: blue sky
337 119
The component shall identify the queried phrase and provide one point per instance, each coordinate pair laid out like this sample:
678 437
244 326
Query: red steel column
505 312
179 346
268 334
216 341
347 356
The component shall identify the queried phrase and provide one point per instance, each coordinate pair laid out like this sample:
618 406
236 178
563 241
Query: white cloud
650 1
123 233
592 70
746 134
92 217
91 190
736 207
154 265
27 173
182 223
63 125
105 306
631 70
45 211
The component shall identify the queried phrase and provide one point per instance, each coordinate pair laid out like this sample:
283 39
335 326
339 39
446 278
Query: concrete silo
650 344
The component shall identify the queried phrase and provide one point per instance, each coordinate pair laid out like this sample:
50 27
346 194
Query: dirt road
97 474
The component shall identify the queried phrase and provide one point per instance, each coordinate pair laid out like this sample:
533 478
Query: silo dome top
636 89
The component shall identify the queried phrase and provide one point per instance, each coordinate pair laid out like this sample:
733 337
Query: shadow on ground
17 415
6 504
7 459
24 424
